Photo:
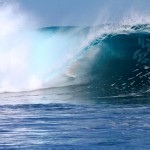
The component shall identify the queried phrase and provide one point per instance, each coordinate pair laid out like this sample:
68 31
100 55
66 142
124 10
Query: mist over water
29 57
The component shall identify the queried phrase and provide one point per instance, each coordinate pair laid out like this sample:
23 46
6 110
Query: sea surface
59 119
94 88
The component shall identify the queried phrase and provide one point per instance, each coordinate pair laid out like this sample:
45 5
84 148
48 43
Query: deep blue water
55 119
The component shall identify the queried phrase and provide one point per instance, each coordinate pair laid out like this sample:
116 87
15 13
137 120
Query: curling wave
115 63
107 59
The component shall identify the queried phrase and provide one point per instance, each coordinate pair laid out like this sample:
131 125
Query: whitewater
73 87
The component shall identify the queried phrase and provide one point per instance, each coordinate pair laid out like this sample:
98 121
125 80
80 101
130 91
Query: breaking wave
110 59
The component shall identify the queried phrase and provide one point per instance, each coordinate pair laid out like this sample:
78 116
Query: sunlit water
58 119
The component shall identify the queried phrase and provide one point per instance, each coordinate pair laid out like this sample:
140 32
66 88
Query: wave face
115 63
121 64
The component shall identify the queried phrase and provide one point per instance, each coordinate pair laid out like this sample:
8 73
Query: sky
81 12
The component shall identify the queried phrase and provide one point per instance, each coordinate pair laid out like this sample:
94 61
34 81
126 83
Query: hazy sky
81 12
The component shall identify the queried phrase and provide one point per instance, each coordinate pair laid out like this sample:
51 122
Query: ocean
75 88
55 119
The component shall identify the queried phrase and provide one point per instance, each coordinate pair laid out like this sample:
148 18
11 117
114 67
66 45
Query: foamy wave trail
32 59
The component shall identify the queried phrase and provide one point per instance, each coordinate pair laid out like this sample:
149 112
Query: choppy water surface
55 119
